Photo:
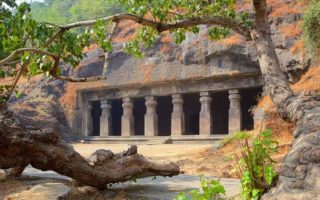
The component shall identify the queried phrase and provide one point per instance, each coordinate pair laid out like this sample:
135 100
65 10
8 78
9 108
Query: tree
180 16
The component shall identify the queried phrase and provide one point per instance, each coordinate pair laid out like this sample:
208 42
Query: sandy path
165 152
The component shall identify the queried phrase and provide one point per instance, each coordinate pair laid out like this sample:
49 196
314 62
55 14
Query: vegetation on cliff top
311 28
66 11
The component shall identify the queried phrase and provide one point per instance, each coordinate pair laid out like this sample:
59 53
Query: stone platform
154 140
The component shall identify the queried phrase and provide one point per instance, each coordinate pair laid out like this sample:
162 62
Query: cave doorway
220 112
139 110
116 114
164 110
191 108
96 114
249 99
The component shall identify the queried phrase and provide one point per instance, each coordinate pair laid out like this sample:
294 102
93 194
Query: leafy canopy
170 11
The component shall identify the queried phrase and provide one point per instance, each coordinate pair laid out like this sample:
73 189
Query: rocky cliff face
48 103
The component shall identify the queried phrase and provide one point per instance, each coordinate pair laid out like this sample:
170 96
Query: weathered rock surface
46 191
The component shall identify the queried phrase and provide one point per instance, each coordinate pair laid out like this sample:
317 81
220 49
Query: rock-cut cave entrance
139 110
164 110
249 99
116 114
96 113
220 112
191 108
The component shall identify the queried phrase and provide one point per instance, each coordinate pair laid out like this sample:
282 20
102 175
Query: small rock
47 191
2 174
87 190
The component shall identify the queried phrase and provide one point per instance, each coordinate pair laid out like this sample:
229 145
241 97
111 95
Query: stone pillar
205 124
105 119
151 117
235 115
177 116
127 119
87 120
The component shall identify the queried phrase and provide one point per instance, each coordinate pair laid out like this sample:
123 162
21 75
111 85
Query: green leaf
18 94
2 73
33 68
181 196
179 36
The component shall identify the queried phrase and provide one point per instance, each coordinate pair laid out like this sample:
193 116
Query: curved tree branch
22 50
161 27
54 71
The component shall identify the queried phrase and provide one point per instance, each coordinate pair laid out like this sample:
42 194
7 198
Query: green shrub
254 164
212 190
311 28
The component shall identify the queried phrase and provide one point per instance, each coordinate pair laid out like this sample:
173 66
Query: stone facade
204 88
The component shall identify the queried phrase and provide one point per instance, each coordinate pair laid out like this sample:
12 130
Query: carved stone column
177 116
87 120
151 117
235 115
127 119
205 125
105 119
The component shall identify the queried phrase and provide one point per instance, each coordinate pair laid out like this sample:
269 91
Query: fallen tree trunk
46 151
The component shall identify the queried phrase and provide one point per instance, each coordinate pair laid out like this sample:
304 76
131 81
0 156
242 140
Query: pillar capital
127 100
104 102
234 95
234 91
177 100
177 96
205 93
127 106
88 106
150 103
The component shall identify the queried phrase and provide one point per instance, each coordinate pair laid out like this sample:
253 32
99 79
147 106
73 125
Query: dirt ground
194 159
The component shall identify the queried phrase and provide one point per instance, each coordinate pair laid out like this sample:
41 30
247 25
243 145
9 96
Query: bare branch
160 27
74 79
107 54
58 34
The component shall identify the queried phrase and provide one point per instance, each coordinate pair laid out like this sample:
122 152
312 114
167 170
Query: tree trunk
299 176
45 151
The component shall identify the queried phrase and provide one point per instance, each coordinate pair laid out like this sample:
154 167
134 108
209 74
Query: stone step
153 140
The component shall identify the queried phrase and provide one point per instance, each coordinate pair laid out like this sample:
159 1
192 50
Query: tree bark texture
299 175
45 151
